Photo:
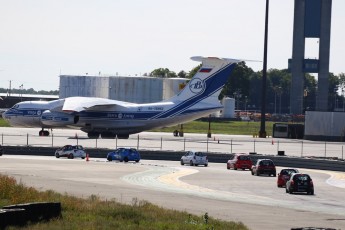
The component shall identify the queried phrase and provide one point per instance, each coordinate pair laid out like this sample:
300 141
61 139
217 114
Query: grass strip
95 213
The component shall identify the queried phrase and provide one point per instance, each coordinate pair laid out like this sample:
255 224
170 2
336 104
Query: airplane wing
77 104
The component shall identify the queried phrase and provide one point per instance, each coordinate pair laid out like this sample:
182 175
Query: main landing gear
44 133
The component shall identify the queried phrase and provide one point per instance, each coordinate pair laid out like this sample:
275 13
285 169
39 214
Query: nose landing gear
44 133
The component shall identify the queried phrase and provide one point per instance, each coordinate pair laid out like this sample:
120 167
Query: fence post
27 139
52 140
96 142
231 145
254 145
277 146
325 149
302 150
2 139
116 142
184 144
138 142
207 144
161 142
342 152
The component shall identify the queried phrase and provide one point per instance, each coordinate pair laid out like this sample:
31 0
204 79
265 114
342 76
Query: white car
71 151
194 158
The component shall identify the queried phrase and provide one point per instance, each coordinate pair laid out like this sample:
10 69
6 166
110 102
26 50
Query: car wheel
137 161
57 155
109 159
206 165
191 163
195 164
257 173
252 172
126 159
70 156
290 191
227 166
235 167
286 190
182 163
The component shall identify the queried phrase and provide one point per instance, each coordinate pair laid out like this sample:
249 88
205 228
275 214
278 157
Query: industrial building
131 89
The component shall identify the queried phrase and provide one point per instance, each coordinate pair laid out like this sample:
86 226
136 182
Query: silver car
71 151
194 158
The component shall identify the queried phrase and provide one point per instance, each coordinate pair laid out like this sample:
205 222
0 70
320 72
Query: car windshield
244 158
78 147
301 178
266 163
288 171
200 154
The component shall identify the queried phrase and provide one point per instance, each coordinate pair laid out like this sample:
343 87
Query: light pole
275 101
21 92
342 92
280 100
262 132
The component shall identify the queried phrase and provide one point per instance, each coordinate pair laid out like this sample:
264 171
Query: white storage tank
229 107
136 89
131 89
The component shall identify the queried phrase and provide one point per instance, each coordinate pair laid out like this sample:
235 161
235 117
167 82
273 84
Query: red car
264 166
239 161
284 176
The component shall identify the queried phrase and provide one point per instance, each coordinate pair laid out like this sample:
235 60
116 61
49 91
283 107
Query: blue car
124 154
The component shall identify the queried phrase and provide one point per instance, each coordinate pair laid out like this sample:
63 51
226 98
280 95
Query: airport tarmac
225 194
166 141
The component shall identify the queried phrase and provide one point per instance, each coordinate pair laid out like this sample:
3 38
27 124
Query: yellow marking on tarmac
173 179
337 177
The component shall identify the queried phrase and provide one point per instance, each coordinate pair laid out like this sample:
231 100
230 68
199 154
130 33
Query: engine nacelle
57 119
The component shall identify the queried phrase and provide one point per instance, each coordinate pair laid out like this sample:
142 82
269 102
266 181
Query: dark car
1 150
284 176
300 182
239 161
264 166
124 154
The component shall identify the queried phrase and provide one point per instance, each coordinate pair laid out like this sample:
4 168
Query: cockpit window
15 106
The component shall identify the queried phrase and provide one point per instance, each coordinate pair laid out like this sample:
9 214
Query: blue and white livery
111 118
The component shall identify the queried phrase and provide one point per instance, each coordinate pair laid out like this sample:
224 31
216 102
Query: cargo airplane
111 118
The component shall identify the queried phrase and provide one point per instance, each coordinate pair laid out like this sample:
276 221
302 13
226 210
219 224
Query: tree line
29 91
245 86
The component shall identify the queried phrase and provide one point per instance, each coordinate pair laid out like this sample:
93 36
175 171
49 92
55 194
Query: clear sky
41 39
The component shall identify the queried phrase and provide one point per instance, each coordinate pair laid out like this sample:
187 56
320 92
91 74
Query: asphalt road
224 194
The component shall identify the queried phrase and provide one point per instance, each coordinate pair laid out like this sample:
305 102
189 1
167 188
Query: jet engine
57 119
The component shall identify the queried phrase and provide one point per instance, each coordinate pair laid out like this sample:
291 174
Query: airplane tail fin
208 82
202 91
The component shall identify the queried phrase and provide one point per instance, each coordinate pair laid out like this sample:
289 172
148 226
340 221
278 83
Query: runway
224 194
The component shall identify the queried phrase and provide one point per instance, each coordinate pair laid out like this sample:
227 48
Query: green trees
245 86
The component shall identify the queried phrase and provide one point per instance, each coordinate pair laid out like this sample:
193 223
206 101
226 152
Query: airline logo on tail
197 86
